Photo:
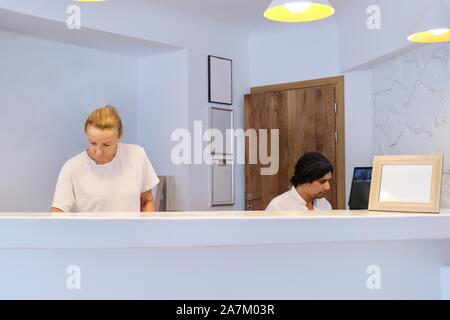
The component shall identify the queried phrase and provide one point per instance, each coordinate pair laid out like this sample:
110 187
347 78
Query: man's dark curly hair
311 167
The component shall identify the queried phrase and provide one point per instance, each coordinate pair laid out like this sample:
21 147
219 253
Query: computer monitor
362 174
359 194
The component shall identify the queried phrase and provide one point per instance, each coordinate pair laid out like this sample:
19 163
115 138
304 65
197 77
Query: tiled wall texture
411 100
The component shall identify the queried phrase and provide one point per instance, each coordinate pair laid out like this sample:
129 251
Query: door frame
339 85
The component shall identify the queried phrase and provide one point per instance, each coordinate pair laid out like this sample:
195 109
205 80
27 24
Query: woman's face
102 144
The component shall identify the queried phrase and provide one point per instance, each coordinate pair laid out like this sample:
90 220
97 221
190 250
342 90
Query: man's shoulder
277 201
323 204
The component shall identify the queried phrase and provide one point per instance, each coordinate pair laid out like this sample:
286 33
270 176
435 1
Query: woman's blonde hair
104 118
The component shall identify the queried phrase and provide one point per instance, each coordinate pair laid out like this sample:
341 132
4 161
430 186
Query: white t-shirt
84 186
293 201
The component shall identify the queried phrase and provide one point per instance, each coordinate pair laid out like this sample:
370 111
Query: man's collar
297 196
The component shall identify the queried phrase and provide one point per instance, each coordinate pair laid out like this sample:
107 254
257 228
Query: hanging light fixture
298 10
434 26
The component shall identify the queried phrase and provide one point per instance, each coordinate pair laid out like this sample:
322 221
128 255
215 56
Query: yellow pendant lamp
298 11
434 26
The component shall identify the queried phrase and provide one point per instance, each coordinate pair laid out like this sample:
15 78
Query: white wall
199 37
411 105
174 94
220 42
358 120
163 108
359 45
47 89
289 53
208 38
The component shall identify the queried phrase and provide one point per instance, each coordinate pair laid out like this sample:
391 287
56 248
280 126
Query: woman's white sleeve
64 198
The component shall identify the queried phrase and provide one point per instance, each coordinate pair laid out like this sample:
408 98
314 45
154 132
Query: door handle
251 197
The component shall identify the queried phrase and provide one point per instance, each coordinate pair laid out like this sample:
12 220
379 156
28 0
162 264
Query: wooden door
306 121
311 123
261 112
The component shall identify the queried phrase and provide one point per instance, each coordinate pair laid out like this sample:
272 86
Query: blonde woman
109 176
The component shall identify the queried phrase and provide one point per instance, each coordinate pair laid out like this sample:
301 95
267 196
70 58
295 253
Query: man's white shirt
292 201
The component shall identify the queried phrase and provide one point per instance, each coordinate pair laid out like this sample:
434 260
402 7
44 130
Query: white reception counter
224 255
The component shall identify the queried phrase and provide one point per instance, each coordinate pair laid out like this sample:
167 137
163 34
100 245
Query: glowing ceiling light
438 32
297 7
298 11
434 26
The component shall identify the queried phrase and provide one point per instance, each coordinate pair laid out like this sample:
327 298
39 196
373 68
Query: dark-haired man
311 183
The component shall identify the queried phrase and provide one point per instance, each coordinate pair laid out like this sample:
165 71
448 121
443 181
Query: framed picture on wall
222 154
222 120
222 193
220 80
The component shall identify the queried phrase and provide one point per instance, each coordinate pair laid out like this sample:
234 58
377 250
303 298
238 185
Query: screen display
362 175
359 194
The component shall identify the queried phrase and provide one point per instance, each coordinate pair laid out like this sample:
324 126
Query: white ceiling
56 31
244 13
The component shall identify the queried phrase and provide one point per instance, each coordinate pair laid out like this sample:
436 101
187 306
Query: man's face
319 188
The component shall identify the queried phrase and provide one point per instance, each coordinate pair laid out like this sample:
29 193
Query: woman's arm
64 198
147 202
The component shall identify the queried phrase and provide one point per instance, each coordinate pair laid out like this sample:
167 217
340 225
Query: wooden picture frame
406 183
220 80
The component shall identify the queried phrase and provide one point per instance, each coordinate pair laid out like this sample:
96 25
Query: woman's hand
147 202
